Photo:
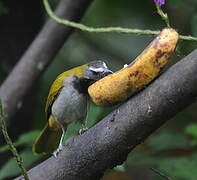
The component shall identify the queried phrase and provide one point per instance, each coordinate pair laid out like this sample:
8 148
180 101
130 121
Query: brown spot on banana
121 85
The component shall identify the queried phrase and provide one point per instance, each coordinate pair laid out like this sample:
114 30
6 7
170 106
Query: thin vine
85 28
10 143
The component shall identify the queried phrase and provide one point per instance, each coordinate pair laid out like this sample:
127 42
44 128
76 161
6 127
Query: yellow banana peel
120 85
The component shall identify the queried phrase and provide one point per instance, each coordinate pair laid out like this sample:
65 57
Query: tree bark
108 143
39 54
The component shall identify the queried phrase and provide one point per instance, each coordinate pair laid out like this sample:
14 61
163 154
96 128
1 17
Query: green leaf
191 129
6 147
180 168
3 8
24 139
193 142
177 4
194 25
141 158
168 140
11 168
120 168
28 138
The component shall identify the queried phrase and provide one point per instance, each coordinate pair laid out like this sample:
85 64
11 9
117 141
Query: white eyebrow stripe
100 69
104 65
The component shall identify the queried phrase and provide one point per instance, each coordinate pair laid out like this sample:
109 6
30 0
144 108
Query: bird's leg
84 125
60 147
84 128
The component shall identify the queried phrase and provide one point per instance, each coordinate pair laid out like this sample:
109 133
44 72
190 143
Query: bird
67 102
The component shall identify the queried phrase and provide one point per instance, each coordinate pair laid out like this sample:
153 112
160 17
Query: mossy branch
10 143
85 28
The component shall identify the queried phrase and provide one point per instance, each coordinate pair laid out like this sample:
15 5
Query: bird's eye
95 72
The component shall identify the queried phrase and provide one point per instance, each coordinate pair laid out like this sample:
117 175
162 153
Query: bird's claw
82 130
58 150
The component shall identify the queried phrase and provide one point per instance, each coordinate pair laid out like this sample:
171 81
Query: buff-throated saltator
67 103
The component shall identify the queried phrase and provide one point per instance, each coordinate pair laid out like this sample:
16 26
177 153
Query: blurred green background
172 149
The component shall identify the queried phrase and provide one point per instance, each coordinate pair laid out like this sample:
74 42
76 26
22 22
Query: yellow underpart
54 124
49 138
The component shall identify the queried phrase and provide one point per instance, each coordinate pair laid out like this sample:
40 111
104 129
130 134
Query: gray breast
70 105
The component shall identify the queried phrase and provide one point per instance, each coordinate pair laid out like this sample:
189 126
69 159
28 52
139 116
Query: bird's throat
81 84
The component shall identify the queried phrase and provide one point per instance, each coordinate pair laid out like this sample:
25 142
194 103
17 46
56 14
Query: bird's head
96 70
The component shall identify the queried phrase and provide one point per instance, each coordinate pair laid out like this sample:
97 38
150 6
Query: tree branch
108 143
39 55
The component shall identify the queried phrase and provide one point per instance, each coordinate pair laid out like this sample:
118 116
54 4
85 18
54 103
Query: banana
120 85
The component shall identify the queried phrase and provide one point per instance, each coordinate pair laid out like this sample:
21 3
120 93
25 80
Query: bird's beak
106 73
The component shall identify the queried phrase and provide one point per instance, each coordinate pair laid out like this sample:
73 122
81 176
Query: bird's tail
50 137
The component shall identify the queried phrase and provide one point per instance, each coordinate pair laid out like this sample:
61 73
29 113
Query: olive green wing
58 83
53 93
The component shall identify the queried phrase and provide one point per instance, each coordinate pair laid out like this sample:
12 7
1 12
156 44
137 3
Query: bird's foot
58 150
82 130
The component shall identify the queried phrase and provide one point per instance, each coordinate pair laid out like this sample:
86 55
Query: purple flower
160 2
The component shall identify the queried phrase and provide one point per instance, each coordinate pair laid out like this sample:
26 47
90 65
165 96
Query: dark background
172 149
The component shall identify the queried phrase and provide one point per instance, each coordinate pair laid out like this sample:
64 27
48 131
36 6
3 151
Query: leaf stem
163 15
